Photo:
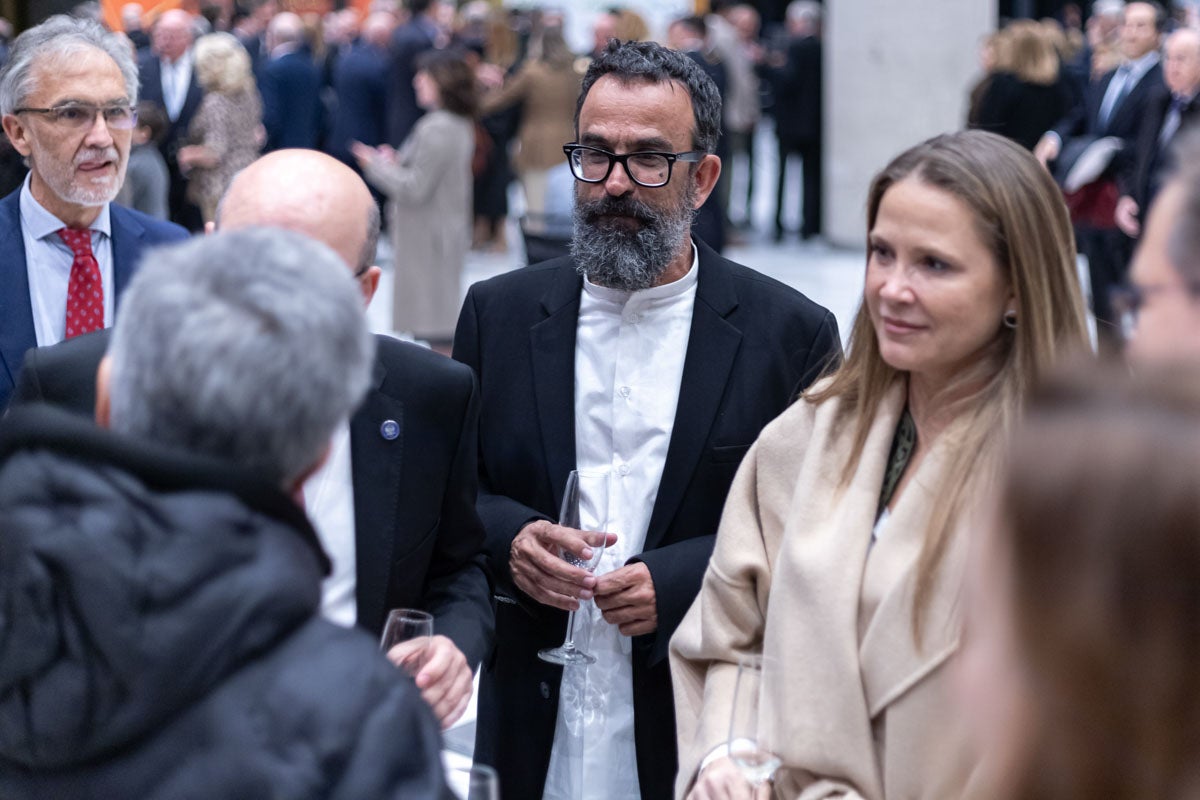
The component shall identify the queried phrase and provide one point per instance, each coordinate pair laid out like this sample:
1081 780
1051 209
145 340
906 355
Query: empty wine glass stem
569 644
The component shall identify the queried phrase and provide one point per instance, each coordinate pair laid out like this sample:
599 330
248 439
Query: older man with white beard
67 95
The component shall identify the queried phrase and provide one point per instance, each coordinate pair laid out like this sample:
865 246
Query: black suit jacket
1150 158
150 73
1084 118
798 92
418 539
754 342
408 42
291 96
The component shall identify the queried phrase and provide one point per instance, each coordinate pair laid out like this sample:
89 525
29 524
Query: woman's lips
898 327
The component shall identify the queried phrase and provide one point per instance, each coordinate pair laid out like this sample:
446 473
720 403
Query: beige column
896 73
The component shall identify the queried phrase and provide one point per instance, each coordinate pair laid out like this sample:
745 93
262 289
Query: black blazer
291 98
1149 160
1020 110
408 42
417 536
150 74
754 342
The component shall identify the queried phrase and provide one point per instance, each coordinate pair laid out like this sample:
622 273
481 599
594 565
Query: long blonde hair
1020 215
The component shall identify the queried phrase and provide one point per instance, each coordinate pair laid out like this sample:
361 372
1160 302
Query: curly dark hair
652 63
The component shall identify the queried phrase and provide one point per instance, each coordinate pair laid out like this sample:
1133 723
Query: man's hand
442 674
627 598
722 780
1126 216
1047 149
540 572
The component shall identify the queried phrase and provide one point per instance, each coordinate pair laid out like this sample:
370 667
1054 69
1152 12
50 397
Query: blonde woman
840 553
1026 96
226 133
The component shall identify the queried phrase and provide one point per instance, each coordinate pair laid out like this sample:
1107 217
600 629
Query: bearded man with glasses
66 250
643 356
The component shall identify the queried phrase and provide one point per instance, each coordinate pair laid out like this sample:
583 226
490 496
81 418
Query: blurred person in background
733 34
840 555
1160 306
131 25
604 28
147 181
428 186
995 57
1079 667
798 88
251 29
544 89
631 26
227 132
1028 97
290 86
409 41
360 84
1172 110
168 78
1113 106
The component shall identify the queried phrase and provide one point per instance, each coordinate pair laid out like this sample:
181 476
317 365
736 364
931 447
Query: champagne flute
749 739
476 782
586 491
408 625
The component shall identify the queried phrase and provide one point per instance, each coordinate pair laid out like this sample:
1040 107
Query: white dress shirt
329 501
48 264
629 354
176 78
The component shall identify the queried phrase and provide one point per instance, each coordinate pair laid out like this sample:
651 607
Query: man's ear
368 282
103 407
705 175
17 133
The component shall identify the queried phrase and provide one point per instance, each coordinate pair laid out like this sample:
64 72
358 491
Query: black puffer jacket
159 637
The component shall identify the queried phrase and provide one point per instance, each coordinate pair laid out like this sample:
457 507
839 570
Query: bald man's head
307 192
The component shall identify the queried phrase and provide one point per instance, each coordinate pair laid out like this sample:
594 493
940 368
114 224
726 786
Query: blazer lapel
552 346
16 315
712 347
376 464
892 661
127 235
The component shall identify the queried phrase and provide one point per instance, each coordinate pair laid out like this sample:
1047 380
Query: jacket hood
133 579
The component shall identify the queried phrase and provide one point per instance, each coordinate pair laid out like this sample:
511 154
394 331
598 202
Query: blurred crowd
693 546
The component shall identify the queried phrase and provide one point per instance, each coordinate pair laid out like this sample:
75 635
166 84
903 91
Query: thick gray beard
618 258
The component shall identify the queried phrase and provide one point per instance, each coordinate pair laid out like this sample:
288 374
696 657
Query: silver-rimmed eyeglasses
79 116
650 169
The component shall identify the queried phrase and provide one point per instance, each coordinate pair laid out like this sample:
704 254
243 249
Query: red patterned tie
85 291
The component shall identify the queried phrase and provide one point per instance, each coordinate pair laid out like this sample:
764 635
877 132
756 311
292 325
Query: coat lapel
552 345
16 315
127 235
376 464
712 347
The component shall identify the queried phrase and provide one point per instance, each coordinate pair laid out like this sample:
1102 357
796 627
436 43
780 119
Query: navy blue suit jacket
132 232
291 94
408 42
360 83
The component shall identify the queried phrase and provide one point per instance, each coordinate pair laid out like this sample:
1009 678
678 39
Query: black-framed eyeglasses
650 169
79 116
1129 299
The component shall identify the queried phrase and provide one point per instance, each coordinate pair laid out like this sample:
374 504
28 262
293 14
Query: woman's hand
722 780
195 155
365 154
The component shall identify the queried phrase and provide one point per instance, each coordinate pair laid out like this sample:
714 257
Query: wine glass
476 782
408 625
749 737
586 497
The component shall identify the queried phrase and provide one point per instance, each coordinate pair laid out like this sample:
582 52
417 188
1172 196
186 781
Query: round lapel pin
390 429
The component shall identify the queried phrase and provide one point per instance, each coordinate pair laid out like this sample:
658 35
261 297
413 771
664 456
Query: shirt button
623 469
545 688
624 391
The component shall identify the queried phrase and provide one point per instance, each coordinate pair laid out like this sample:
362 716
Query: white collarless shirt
629 354
176 78
48 266
329 501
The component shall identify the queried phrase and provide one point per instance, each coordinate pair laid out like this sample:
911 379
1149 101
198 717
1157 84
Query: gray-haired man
161 588
66 103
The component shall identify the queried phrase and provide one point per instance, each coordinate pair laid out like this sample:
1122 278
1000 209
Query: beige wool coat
860 710
429 215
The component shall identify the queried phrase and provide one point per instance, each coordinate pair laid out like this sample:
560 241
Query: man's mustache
618 207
